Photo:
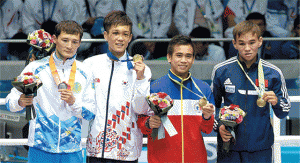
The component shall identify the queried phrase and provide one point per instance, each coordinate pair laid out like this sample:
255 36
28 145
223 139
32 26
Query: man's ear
169 57
260 41
105 34
234 43
54 38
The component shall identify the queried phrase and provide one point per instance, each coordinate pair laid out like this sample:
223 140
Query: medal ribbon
129 64
261 79
188 88
249 9
43 9
56 75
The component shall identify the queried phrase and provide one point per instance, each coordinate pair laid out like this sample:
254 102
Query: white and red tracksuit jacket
120 98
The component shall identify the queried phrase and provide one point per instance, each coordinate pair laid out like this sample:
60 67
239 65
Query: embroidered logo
97 80
230 88
77 87
197 108
125 83
228 82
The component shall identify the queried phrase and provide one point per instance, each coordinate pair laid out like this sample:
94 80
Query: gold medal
138 57
260 102
202 102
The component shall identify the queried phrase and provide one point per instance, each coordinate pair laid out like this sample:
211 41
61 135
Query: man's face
247 45
181 60
66 45
118 38
260 24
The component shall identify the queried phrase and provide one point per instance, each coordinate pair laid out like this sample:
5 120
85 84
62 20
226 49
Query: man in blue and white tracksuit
55 131
254 136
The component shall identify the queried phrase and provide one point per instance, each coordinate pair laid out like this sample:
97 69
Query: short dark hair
256 16
200 32
69 27
179 40
245 27
115 18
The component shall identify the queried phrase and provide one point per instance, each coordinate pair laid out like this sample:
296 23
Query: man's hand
226 135
139 67
270 97
25 101
208 110
154 121
67 96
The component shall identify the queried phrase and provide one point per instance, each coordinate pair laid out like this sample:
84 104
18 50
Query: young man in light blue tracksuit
55 131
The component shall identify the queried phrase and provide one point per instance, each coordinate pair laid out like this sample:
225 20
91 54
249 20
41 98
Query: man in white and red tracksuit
185 115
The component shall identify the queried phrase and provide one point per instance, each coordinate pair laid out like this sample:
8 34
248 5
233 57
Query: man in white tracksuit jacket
120 90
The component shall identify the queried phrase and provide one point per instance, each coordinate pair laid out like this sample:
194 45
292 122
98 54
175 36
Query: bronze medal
260 102
202 102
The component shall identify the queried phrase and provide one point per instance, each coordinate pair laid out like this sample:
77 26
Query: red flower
171 102
25 82
223 110
40 32
155 102
28 73
43 45
30 80
162 105
41 36
232 106
162 95
51 41
239 120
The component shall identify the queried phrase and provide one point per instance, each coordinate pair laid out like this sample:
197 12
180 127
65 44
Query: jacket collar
177 78
59 62
254 65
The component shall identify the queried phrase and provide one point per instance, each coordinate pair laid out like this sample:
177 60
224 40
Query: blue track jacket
229 81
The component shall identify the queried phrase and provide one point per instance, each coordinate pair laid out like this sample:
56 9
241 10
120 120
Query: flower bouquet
231 116
41 43
161 103
28 83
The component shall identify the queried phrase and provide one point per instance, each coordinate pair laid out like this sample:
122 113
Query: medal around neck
62 85
260 102
202 102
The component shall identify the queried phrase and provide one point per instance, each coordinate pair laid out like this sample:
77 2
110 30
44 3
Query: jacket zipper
59 132
107 102
59 126
181 110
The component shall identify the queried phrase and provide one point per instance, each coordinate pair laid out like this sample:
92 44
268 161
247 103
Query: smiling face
181 60
66 45
247 44
118 38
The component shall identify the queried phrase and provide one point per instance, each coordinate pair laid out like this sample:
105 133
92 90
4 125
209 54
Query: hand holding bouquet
231 116
161 103
28 83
